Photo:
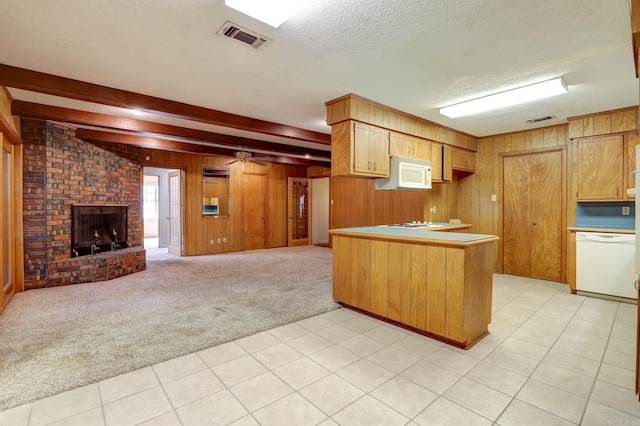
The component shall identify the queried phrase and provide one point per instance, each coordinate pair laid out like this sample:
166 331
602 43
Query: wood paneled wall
470 196
199 230
355 202
604 123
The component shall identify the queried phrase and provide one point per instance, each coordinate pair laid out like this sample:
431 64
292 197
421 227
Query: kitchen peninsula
432 282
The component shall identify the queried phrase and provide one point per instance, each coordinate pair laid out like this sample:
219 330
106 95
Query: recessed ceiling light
517 96
272 12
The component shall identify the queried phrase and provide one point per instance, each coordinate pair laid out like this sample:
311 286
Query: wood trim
7 129
21 78
635 34
77 117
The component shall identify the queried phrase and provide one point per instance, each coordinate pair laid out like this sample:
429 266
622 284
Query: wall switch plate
433 209
211 242
626 210
493 197
224 240
218 240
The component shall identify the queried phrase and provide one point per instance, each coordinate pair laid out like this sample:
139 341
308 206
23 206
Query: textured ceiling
412 55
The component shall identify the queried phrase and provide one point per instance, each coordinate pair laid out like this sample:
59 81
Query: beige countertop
609 230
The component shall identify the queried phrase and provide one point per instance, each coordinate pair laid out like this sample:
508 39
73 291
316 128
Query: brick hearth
61 170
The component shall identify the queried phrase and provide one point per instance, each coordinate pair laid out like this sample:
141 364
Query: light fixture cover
517 96
272 12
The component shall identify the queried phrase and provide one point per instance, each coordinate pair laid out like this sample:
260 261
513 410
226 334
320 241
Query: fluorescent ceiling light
272 12
546 89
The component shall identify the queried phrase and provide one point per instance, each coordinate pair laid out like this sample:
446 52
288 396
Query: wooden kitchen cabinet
437 286
630 142
358 149
463 160
601 168
402 145
447 170
436 162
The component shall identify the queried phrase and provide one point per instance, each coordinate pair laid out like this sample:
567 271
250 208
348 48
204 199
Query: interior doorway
299 208
320 211
156 209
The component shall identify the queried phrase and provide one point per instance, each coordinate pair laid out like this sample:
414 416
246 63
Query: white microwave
406 174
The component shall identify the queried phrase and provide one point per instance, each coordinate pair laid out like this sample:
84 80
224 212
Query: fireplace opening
97 229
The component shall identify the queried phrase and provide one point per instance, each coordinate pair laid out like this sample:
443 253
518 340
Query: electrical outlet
211 242
433 209
493 197
224 240
218 240
626 210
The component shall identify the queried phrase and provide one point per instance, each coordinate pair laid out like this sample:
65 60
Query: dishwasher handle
606 238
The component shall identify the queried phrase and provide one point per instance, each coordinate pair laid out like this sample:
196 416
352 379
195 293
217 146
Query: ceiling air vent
236 32
539 119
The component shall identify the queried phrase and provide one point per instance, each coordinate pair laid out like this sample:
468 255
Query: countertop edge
607 230
432 241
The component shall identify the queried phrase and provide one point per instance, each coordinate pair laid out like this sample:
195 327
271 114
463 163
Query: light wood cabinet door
464 160
631 140
436 162
447 171
601 168
370 150
409 146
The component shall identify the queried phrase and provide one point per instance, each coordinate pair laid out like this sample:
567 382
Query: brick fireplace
61 171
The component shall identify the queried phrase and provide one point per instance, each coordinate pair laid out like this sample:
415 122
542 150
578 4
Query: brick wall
61 170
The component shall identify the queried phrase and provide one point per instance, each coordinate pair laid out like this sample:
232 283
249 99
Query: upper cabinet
358 149
402 145
463 160
602 168
364 134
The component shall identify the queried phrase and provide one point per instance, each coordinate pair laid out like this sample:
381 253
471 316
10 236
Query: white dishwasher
605 264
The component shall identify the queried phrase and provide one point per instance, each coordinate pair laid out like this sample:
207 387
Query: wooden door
299 208
254 190
176 203
534 214
516 229
7 208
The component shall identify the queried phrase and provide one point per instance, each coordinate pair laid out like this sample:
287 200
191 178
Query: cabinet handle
635 285
369 165
374 166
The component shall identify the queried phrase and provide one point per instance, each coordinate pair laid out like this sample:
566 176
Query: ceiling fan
244 156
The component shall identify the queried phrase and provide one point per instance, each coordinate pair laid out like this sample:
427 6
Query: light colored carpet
60 338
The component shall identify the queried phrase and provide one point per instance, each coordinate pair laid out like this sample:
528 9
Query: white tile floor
551 359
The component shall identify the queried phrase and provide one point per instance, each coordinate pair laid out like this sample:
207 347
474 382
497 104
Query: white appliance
636 174
606 264
406 174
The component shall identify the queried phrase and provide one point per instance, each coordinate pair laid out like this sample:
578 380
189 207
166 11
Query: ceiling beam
635 30
183 147
34 81
77 117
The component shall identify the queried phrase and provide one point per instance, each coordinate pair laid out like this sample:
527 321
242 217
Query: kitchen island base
435 285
